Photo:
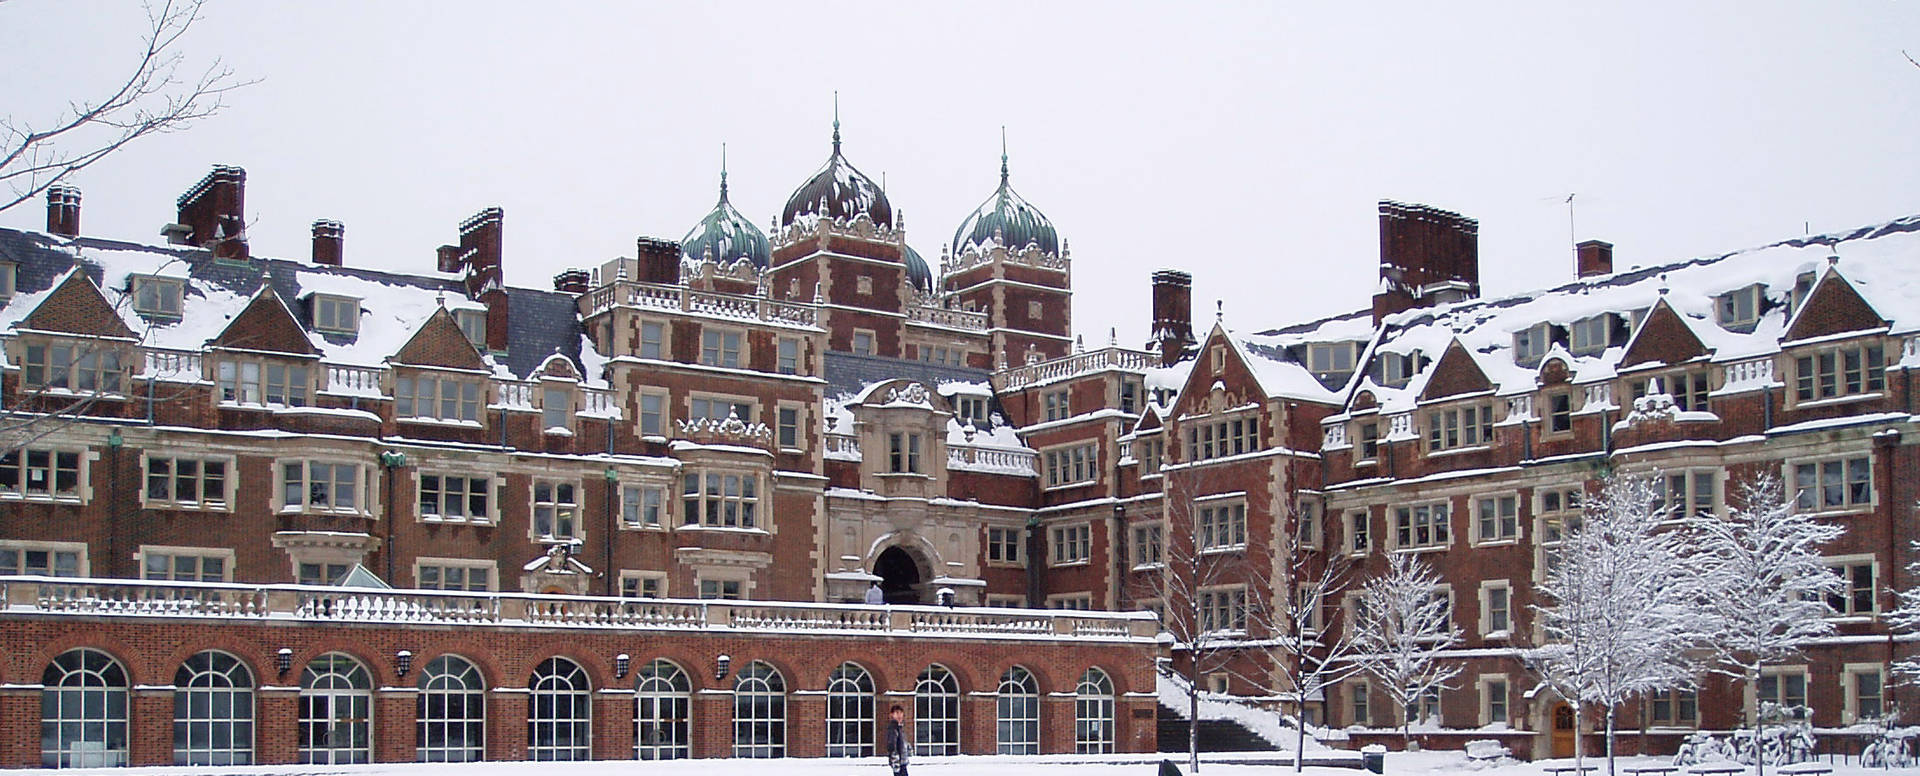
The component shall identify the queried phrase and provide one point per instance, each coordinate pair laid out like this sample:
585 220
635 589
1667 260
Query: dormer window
1592 335
156 296
1393 369
1739 307
972 410
473 323
1330 358
1530 344
7 275
337 314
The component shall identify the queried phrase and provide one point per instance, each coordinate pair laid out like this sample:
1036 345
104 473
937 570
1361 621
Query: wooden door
1565 730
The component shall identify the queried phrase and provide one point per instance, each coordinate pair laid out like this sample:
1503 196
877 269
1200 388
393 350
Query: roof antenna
1003 155
723 171
836 122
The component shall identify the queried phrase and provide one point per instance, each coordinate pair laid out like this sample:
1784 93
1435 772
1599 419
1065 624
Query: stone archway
903 575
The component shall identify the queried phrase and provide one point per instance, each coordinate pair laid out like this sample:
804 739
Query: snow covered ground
1227 764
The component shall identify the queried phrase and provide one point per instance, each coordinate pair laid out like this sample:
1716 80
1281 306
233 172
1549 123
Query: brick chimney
659 260
1593 257
573 281
63 210
1172 315
479 259
447 258
328 241
1428 256
213 212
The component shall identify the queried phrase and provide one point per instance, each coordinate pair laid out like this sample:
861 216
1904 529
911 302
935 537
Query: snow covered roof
1876 261
393 305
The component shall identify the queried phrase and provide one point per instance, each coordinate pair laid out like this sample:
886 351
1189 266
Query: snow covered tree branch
1764 584
159 95
1402 627
1621 611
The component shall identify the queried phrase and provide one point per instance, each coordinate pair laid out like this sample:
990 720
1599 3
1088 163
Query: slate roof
539 323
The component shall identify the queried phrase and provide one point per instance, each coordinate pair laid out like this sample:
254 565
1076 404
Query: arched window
83 711
1017 713
850 712
213 711
662 700
1093 713
936 712
759 712
452 712
336 711
560 718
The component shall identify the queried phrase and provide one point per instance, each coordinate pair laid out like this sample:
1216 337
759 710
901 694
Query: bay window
322 486
720 499
1457 427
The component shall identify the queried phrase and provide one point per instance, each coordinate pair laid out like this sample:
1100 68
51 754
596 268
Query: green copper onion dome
1008 220
918 273
838 191
725 236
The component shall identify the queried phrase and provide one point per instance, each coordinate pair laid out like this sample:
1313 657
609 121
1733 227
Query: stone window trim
707 509
652 426
1445 589
660 349
18 469
562 390
494 489
1850 466
1850 595
336 314
78 549
1070 545
1149 545
1010 541
492 568
247 379
56 365
1071 465
1359 532
865 342
1359 702
1844 372
323 547
1776 673
1557 422
1228 601
224 554
790 356
1487 609
639 578
1221 524
1496 699
424 394
555 484
1496 498
1850 673
726 347
661 486
1453 428
229 483
1006 601
743 577
1439 527
367 495
733 400
795 433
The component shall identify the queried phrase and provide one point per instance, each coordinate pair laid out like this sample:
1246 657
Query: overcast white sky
1246 143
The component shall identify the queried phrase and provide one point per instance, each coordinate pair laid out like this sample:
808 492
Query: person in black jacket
896 742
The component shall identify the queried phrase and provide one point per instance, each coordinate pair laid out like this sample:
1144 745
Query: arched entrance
900 577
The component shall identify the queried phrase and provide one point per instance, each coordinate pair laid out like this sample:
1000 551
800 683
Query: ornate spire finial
723 172
1003 155
836 122
1219 310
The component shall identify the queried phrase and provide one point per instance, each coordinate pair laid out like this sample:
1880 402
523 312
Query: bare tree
1210 585
1766 585
1402 629
1314 650
160 95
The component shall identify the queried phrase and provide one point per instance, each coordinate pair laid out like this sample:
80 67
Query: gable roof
1455 374
440 342
76 306
266 323
1663 338
1832 306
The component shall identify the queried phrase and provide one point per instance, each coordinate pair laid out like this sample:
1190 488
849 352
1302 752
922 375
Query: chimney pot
63 210
659 260
214 212
1424 247
329 238
1593 257
573 281
1172 315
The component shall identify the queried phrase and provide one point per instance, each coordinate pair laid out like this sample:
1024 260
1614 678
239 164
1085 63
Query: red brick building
804 415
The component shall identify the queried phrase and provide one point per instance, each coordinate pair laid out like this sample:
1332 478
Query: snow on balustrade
1075 364
1748 375
994 460
108 597
662 297
1334 436
954 319
846 447
516 395
353 380
598 403
174 364
1400 426
1599 395
26 595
